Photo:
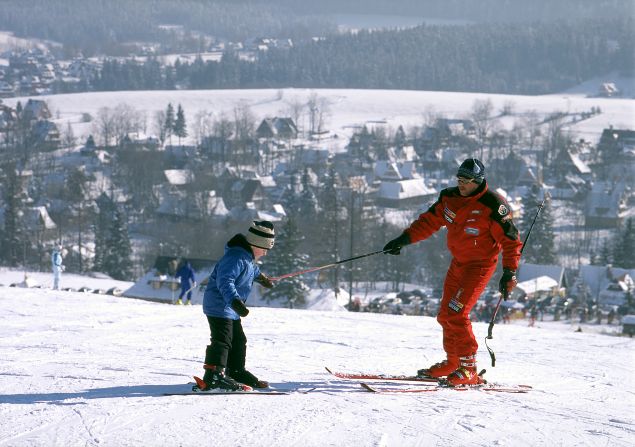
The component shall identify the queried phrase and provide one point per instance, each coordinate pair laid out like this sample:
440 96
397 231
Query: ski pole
505 294
322 267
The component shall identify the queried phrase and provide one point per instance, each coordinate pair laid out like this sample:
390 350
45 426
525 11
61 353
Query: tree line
498 58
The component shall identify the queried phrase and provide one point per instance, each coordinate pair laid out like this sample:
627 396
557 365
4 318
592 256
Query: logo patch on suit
502 210
470 230
449 212
476 211
454 303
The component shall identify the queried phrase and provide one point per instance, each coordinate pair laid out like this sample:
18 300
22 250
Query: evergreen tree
180 126
606 257
169 121
102 229
540 247
624 247
12 238
285 258
117 261
90 142
328 225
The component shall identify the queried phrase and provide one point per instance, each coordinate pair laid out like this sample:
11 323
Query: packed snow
91 369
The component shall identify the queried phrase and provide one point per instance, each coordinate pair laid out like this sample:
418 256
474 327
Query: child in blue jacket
224 304
188 281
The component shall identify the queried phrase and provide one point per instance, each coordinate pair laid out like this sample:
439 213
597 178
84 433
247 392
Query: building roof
404 189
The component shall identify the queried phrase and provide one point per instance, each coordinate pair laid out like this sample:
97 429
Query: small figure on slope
58 267
479 226
186 275
224 304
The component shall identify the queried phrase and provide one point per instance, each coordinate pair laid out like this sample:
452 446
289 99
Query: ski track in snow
78 370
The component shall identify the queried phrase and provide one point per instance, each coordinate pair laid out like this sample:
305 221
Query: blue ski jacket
186 275
232 278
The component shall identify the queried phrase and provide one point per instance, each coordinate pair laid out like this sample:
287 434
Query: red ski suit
479 227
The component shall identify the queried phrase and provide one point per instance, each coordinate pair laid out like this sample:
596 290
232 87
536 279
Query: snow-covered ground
88 369
346 109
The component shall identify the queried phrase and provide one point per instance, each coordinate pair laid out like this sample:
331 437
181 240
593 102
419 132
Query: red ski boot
466 373
440 369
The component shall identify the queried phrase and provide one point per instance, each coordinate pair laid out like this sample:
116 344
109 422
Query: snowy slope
81 369
347 108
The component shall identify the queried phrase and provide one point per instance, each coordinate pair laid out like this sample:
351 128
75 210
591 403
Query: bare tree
295 110
104 125
481 116
203 125
159 126
126 121
223 129
531 123
312 107
68 136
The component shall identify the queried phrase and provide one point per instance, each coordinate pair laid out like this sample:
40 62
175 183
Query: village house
606 205
281 128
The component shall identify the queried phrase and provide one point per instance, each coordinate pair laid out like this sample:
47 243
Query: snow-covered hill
346 109
86 369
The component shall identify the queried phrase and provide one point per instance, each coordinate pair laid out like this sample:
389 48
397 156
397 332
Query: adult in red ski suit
479 226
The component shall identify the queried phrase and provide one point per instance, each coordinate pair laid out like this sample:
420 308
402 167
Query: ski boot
440 369
178 302
465 374
244 376
215 380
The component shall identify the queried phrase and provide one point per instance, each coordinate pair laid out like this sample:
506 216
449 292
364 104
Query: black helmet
472 168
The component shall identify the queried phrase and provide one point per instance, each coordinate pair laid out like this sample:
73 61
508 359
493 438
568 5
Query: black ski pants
228 347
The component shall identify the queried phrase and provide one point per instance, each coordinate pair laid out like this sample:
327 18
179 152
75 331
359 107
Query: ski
374 389
227 393
520 389
386 377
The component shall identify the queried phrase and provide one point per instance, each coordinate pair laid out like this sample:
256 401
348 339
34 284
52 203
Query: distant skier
224 304
58 267
479 226
188 282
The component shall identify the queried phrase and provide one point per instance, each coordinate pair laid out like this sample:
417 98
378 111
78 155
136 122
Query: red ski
481 387
386 377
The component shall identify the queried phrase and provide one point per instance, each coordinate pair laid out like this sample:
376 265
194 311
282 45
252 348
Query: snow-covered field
346 109
85 369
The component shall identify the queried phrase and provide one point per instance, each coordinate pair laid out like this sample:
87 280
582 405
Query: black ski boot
244 376
216 380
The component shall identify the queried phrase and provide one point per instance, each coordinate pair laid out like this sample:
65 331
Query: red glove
507 283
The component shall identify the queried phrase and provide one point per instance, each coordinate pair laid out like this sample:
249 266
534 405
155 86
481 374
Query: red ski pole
322 267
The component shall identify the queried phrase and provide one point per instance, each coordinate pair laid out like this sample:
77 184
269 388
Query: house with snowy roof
606 205
529 272
608 285
277 127
404 193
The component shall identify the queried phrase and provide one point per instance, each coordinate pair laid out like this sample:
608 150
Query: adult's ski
481 387
384 377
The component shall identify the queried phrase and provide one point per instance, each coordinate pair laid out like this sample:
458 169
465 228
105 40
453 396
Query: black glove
264 281
240 307
507 283
394 247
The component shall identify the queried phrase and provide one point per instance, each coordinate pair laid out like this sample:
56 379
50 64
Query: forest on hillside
502 58
96 27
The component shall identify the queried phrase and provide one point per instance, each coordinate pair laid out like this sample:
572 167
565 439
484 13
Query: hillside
346 109
90 370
